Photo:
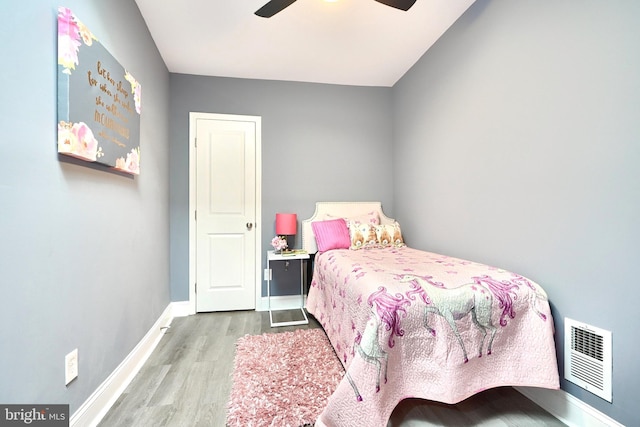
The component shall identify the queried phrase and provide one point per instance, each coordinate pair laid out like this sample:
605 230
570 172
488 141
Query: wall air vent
587 357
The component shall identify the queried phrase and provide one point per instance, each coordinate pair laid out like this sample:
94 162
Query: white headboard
338 209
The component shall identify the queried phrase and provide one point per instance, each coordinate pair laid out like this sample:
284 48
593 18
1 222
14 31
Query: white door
225 216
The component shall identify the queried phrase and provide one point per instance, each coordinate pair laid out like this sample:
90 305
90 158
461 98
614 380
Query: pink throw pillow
332 234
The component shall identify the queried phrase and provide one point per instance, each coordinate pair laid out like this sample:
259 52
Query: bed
407 323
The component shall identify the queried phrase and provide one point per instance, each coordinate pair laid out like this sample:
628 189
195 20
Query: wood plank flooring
187 382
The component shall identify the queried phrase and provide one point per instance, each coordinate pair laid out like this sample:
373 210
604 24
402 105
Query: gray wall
319 143
513 141
84 252
517 143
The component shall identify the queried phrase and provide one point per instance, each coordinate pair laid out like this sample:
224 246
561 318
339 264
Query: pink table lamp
286 224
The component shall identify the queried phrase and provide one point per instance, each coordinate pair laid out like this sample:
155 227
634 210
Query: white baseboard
98 404
567 408
181 309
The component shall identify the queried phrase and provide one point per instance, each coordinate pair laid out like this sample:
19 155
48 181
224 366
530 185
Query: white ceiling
350 42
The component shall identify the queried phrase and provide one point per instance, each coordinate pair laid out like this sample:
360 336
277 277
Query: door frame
193 119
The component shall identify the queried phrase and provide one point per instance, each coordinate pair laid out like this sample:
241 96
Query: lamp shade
286 224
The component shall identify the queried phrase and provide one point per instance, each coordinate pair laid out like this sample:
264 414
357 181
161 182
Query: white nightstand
271 256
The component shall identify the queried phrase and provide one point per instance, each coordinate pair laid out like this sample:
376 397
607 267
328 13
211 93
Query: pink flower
76 139
132 163
137 97
88 144
67 24
68 40
279 243
86 34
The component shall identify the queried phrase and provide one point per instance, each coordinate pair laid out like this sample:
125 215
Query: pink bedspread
407 323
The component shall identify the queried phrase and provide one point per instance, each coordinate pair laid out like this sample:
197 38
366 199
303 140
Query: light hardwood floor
187 381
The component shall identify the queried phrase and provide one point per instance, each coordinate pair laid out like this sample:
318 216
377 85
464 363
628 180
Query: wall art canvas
98 100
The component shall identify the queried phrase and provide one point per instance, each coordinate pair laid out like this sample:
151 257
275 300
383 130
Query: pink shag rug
282 379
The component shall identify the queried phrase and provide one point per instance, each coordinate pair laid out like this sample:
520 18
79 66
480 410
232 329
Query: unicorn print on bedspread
474 299
454 304
387 312
505 291
536 295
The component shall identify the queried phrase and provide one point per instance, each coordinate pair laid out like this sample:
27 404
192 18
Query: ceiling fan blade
398 4
273 7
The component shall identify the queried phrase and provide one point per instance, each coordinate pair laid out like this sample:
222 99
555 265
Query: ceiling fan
275 6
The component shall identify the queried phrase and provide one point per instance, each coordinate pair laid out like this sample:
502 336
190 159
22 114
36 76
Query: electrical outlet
71 367
267 274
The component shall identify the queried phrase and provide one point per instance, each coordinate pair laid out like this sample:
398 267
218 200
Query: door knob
249 226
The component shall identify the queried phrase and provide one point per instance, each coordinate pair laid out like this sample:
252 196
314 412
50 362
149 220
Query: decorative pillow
384 233
362 235
331 234
397 239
